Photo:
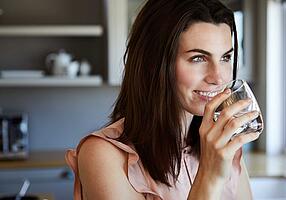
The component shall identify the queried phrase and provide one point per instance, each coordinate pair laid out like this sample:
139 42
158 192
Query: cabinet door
42 181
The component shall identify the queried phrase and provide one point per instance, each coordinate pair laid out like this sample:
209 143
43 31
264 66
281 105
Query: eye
226 58
198 59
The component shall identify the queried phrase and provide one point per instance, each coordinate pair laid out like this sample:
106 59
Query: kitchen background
88 36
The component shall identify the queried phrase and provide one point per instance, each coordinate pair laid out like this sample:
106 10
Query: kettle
58 63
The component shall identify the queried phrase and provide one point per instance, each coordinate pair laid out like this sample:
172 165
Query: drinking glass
240 90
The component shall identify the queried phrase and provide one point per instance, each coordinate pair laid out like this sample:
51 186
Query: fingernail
257 133
227 91
256 113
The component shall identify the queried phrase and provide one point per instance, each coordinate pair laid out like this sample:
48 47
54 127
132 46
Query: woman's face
204 62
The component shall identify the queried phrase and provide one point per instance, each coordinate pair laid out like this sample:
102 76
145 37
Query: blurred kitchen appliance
13 136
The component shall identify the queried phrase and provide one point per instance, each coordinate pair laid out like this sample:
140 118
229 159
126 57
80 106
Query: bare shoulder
100 150
103 171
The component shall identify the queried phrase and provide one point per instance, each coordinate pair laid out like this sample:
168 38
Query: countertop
258 164
261 165
37 159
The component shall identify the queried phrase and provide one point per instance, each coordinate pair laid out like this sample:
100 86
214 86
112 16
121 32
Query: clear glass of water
240 90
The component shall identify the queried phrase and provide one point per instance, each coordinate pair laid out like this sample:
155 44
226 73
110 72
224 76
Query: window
284 73
238 15
275 80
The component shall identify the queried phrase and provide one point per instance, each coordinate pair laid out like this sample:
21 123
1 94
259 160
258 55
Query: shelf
90 81
57 30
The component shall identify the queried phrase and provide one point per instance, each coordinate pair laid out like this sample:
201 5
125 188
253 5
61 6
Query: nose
215 75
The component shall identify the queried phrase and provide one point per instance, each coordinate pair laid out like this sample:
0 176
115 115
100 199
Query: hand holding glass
240 90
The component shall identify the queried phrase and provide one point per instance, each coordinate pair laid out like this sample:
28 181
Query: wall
59 117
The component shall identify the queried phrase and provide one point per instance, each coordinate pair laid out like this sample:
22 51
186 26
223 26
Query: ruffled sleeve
136 174
71 160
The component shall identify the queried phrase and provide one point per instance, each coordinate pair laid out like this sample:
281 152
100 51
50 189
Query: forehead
207 36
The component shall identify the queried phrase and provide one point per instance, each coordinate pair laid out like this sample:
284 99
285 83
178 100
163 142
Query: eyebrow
206 52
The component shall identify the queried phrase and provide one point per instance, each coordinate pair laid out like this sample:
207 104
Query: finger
212 106
228 113
240 140
235 124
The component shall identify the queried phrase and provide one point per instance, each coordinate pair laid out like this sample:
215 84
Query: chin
198 111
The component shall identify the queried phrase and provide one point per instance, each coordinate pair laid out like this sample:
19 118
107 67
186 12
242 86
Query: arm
205 189
103 172
218 147
244 190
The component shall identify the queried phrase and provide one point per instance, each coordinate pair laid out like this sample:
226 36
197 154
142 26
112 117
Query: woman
162 142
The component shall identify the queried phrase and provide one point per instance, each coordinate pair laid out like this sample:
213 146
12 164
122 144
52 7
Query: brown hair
148 99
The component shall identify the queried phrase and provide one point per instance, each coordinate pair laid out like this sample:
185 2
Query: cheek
186 75
184 78
228 73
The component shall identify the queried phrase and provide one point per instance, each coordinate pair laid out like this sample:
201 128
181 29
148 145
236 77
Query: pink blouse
140 179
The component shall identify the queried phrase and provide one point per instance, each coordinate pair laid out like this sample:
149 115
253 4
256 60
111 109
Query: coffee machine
13 136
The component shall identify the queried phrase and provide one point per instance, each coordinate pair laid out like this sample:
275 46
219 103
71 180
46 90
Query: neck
186 121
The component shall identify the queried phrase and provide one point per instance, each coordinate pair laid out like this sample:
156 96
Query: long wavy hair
148 99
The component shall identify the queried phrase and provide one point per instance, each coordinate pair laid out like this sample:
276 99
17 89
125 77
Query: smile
207 94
